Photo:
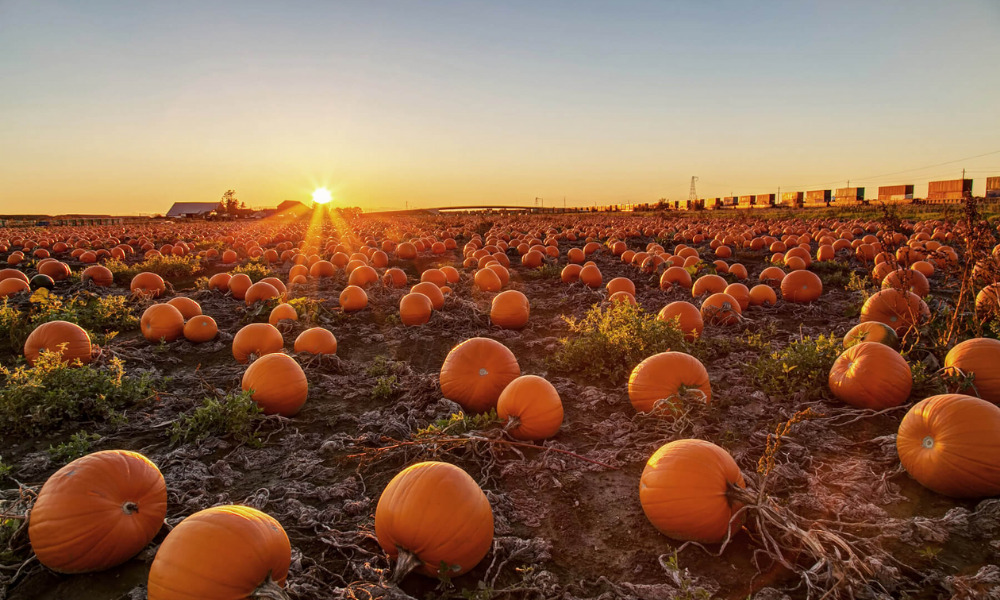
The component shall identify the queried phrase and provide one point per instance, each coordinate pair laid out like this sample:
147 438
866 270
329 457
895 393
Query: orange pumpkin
510 310
801 286
721 309
476 371
188 307
898 309
907 279
68 339
455 527
664 381
487 280
257 339
316 340
772 276
201 328
239 284
415 309
278 383
99 275
872 331
951 445
11 286
197 558
741 293
363 276
97 512
979 357
871 375
259 292
619 284
591 276
763 295
148 285
675 276
570 273
684 491
282 312
394 277
432 291
353 298
162 321
220 282
686 316
534 406
708 284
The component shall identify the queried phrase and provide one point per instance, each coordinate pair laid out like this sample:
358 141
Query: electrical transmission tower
693 194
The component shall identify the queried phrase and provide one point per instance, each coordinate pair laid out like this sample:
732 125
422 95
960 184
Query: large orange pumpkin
353 298
535 406
99 275
394 277
437 516
221 553
68 339
988 302
189 308
684 491
279 385
415 309
487 280
510 310
97 512
763 295
979 357
721 309
282 312
666 380
256 339
259 292
239 284
316 340
675 276
951 444
200 329
162 321
907 279
871 375
220 282
708 284
898 309
476 371
686 316
11 286
148 284
801 286
591 276
431 291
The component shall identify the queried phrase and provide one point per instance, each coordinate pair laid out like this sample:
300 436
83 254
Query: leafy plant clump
459 423
92 312
256 269
609 342
43 397
170 268
79 444
235 415
801 367
385 388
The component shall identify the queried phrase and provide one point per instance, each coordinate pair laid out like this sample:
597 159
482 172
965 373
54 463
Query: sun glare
322 196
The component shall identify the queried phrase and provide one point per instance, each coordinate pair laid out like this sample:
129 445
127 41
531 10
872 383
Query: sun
322 196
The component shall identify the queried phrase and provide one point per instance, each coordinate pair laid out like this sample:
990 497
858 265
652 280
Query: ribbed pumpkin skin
80 522
279 385
980 356
686 316
50 336
438 512
353 298
162 321
661 376
708 284
896 308
148 284
683 491
871 375
487 280
11 286
476 371
260 291
432 291
721 309
189 308
258 339
951 445
281 313
201 329
801 287
872 331
510 310
239 284
415 309
100 276
221 553
316 340
536 404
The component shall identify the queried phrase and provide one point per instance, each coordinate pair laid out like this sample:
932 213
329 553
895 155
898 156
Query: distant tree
231 204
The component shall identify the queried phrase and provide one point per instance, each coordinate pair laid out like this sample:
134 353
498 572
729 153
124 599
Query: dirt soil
565 528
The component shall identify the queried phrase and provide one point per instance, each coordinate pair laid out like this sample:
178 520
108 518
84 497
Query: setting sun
322 196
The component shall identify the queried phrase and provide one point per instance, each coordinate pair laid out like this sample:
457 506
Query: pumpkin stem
130 508
512 423
406 562
269 590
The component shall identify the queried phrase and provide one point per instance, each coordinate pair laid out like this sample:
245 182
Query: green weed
235 415
801 367
79 444
459 423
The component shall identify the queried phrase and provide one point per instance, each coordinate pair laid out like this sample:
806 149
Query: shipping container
895 193
849 195
819 196
993 187
730 200
952 189
793 199
715 202
764 199
746 201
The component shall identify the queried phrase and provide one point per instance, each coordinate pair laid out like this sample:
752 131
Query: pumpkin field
758 404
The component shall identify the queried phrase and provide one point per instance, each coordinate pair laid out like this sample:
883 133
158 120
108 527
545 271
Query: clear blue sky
126 107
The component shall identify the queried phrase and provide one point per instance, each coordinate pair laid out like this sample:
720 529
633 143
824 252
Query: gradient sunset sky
126 107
